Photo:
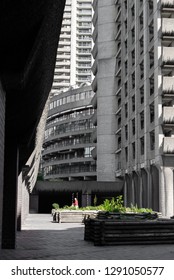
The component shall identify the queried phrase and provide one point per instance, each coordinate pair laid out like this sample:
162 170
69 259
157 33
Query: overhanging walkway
42 240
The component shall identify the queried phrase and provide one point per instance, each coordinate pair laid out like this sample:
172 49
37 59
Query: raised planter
116 231
73 216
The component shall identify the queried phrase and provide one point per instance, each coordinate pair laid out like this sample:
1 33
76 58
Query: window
133 150
152 140
133 103
142 120
142 145
133 127
133 80
152 112
142 95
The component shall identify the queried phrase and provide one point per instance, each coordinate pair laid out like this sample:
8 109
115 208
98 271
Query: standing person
76 204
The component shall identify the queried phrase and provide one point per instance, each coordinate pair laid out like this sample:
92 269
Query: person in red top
76 204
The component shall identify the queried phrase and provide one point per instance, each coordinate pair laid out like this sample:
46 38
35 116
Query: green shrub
55 206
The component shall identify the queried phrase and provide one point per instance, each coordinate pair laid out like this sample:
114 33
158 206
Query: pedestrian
76 204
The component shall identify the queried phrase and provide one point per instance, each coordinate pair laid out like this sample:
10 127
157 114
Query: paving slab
42 239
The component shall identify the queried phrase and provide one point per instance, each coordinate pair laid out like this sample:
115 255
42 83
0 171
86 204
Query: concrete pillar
162 202
144 188
86 199
168 179
137 189
2 133
129 190
10 191
155 188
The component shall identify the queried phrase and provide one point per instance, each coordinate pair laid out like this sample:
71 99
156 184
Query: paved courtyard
42 239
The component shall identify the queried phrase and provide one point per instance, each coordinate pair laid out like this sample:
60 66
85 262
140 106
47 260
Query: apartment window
141 44
152 140
142 145
142 70
142 120
126 154
119 122
150 2
142 95
125 65
133 127
133 80
151 58
133 103
133 12
126 110
119 101
152 112
151 31
126 132
133 57
125 5
125 26
126 89
133 35
141 21
119 142
133 150
151 85
125 45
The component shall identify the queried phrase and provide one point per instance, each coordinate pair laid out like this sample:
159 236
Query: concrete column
168 178
129 190
162 202
144 188
9 225
137 189
155 188
2 133
86 199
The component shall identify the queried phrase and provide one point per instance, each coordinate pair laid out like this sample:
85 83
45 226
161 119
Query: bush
55 206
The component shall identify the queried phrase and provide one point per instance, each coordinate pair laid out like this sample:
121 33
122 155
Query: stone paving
42 239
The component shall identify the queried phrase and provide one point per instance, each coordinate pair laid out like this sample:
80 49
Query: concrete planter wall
129 231
72 216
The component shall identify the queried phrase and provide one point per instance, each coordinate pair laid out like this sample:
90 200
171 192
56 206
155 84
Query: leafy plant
55 206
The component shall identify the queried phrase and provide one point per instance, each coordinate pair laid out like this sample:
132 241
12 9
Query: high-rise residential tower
134 85
73 62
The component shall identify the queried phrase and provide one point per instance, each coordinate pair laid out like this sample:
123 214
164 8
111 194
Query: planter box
73 216
119 232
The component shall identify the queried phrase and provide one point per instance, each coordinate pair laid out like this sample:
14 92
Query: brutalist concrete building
29 33
134 85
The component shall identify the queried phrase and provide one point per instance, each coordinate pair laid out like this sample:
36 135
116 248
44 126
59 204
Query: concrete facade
134 83
68 137
73 62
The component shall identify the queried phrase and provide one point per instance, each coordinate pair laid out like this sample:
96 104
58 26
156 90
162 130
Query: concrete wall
106 107
2 123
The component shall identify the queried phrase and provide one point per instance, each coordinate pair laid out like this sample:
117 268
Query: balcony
167 5
168 145
168 116
168 27
168 86
168 57
95 50
94 153
94 118
94 136
94 101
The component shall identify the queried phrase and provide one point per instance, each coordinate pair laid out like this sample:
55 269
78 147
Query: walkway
42 239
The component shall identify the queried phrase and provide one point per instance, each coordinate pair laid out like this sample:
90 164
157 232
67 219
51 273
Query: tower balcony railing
94 136
168 145
168 27
167 4
94 101
168 57
168 85
168 115
94 118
